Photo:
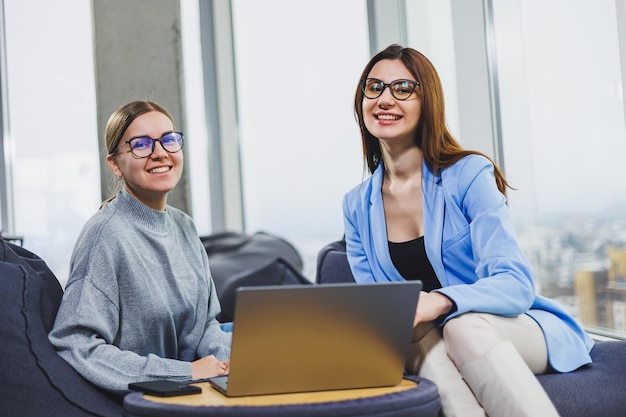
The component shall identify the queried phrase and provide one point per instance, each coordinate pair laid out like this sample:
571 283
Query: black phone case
165 388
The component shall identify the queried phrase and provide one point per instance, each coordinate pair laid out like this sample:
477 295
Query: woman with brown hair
436 212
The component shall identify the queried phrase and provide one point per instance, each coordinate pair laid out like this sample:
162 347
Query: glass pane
430 31
52 116
298 66
564 142
196 145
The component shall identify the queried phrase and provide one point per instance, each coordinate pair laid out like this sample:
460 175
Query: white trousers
484 364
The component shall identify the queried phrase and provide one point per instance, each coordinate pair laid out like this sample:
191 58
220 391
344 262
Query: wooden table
412 394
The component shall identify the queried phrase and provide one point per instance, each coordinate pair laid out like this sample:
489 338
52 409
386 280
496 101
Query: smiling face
385 117
149 179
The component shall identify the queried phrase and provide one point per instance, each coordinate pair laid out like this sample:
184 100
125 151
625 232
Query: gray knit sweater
140 303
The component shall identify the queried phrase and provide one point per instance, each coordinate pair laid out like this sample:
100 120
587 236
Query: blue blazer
471 244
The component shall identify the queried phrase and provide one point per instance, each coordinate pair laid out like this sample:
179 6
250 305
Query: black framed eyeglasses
400 89
143 146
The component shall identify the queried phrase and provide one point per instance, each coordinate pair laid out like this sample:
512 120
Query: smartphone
164 388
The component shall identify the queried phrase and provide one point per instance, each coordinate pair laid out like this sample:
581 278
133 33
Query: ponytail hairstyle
118 123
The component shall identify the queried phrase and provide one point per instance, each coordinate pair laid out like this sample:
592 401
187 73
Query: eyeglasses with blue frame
143 146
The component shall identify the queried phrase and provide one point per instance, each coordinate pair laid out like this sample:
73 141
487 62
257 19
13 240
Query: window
52 120
297 71
564 145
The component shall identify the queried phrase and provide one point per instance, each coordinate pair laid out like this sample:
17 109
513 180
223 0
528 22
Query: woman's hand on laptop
430 306
208 367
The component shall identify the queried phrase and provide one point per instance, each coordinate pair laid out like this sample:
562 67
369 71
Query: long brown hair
438 146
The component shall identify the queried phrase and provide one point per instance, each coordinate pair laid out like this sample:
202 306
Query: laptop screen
320 337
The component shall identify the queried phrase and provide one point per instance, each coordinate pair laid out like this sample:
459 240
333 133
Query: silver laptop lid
320 337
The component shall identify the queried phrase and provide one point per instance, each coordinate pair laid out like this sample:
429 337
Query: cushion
332 264
598 389
238 259
36 380
269 272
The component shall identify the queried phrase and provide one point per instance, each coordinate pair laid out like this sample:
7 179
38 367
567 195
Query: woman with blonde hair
140 303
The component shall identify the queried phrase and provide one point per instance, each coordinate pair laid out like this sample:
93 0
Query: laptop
302 338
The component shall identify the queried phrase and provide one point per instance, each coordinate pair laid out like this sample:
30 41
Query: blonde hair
118 123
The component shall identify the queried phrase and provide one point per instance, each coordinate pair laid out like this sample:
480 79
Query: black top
411 261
